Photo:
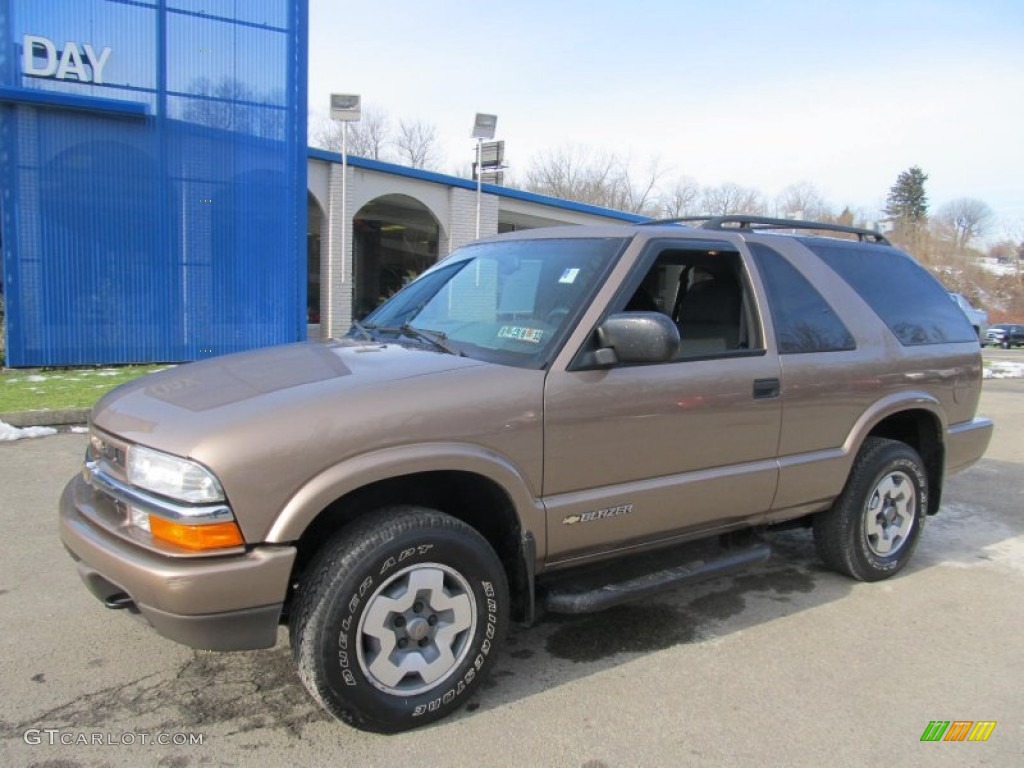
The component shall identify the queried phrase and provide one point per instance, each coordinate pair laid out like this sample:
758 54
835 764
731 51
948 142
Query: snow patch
80 430
1000 268
9 433
999 369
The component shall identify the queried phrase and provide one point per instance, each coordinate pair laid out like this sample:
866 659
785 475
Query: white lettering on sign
40 58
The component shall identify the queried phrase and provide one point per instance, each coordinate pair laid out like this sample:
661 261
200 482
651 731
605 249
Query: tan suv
538 421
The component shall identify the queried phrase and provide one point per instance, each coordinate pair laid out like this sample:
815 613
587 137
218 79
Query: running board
588 595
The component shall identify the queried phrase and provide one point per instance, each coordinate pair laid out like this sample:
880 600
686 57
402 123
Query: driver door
636 454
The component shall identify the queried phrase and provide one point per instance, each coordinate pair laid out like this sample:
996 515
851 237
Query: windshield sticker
569 276
532 335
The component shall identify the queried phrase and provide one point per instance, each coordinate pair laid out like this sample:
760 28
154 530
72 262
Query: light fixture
346 107
484 126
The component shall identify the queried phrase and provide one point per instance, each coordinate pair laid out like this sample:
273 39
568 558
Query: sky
844 95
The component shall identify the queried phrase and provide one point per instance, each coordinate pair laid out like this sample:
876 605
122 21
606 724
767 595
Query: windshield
507 302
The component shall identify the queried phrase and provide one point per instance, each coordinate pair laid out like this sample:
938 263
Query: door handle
766 389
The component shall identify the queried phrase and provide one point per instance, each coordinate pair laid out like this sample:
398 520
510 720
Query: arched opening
395 238
314 223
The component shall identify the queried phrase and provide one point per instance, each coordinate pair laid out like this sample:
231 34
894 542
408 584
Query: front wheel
871 530
398 619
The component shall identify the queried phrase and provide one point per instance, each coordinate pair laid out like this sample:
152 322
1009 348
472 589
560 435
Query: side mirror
636 337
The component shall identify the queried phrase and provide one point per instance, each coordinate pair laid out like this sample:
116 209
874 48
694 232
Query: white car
978 317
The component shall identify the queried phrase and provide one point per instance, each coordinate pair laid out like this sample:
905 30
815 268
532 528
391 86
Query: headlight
171 476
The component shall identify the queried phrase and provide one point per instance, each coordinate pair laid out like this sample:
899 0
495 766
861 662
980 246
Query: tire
407 578
870 532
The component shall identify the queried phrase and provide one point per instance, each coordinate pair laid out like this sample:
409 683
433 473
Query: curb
60 418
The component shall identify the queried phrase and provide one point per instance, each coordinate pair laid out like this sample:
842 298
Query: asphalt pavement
784 665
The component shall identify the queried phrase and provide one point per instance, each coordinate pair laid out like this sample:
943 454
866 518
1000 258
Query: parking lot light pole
345 108
483 128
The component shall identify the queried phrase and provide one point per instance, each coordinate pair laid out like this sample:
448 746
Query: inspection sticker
569 276
532 335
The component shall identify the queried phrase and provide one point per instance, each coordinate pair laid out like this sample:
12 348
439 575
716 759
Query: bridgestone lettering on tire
871 530
399 618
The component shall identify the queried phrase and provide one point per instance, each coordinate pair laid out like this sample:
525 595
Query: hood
174 409
267 422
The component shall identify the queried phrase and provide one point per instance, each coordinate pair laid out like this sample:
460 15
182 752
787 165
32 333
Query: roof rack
751 223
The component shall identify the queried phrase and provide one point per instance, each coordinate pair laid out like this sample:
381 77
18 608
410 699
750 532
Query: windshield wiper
364 330
435 338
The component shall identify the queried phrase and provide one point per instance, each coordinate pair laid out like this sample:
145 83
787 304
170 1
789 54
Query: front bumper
220 603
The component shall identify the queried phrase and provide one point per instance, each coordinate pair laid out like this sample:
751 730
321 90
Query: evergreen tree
907 201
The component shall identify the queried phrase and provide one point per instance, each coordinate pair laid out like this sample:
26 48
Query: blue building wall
153 164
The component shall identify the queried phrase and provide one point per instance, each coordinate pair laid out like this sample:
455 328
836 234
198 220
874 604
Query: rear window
909 300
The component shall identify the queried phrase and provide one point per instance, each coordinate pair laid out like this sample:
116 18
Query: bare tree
683 199
368 137
1011 249
964 220
802 201
371 136
636 193
729 198
416 144
572 172
575 172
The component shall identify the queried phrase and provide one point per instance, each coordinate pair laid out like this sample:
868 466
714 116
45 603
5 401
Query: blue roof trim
491 189
70 101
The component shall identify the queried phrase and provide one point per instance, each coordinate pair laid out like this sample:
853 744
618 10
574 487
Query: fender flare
890 406
336 481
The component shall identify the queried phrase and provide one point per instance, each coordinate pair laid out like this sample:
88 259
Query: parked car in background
1005 335
978 317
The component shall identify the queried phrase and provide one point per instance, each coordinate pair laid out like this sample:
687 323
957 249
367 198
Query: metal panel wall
154 178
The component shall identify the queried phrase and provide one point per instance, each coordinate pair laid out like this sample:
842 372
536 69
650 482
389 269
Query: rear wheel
398 620
871 530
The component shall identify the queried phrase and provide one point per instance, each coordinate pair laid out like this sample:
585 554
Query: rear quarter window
804 321
909 300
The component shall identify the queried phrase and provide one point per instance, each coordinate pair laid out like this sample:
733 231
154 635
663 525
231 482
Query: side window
804 321
912 303
704 293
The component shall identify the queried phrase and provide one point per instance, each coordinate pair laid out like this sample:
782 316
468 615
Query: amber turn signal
196 537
